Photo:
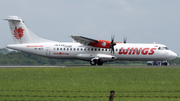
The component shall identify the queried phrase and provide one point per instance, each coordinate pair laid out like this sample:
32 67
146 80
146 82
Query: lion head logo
18 33
103 44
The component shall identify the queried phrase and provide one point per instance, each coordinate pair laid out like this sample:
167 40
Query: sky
141 21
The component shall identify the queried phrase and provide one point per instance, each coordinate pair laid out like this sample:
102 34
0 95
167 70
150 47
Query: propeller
112 44
125 39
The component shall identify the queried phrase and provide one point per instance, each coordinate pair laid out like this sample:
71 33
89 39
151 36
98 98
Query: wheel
93 62
100 63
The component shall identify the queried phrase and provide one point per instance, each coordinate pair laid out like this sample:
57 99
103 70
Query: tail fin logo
18 33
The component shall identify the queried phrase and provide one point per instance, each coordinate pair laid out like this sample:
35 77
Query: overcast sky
142 21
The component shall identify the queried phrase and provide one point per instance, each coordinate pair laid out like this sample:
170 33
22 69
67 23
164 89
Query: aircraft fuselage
143 52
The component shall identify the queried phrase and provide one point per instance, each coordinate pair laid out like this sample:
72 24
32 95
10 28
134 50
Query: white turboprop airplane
95 51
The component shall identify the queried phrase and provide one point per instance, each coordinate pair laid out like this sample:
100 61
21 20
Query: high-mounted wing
83 40
95 43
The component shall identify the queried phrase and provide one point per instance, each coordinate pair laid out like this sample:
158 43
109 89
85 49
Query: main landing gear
94 62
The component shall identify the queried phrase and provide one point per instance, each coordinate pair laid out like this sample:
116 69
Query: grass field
90 84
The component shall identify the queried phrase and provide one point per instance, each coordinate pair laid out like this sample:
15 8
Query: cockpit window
166 48
163 48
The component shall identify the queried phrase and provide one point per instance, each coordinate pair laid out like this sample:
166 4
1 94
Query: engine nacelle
104 58
102 44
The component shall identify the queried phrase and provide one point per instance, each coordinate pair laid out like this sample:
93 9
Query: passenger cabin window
40 48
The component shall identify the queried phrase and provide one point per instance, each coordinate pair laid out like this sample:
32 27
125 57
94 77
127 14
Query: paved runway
67 66
31 66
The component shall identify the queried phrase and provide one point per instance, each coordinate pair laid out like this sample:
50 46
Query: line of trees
22 58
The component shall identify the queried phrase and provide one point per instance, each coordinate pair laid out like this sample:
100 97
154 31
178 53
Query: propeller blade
112 39
112 44
112 50
125 39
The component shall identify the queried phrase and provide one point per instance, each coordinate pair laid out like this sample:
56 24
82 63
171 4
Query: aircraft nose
173 55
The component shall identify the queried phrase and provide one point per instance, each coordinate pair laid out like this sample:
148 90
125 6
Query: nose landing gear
165 63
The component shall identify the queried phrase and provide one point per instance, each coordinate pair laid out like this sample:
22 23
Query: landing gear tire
100 63
93 62
165 64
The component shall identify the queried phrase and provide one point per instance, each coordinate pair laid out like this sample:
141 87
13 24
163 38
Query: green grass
44 80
